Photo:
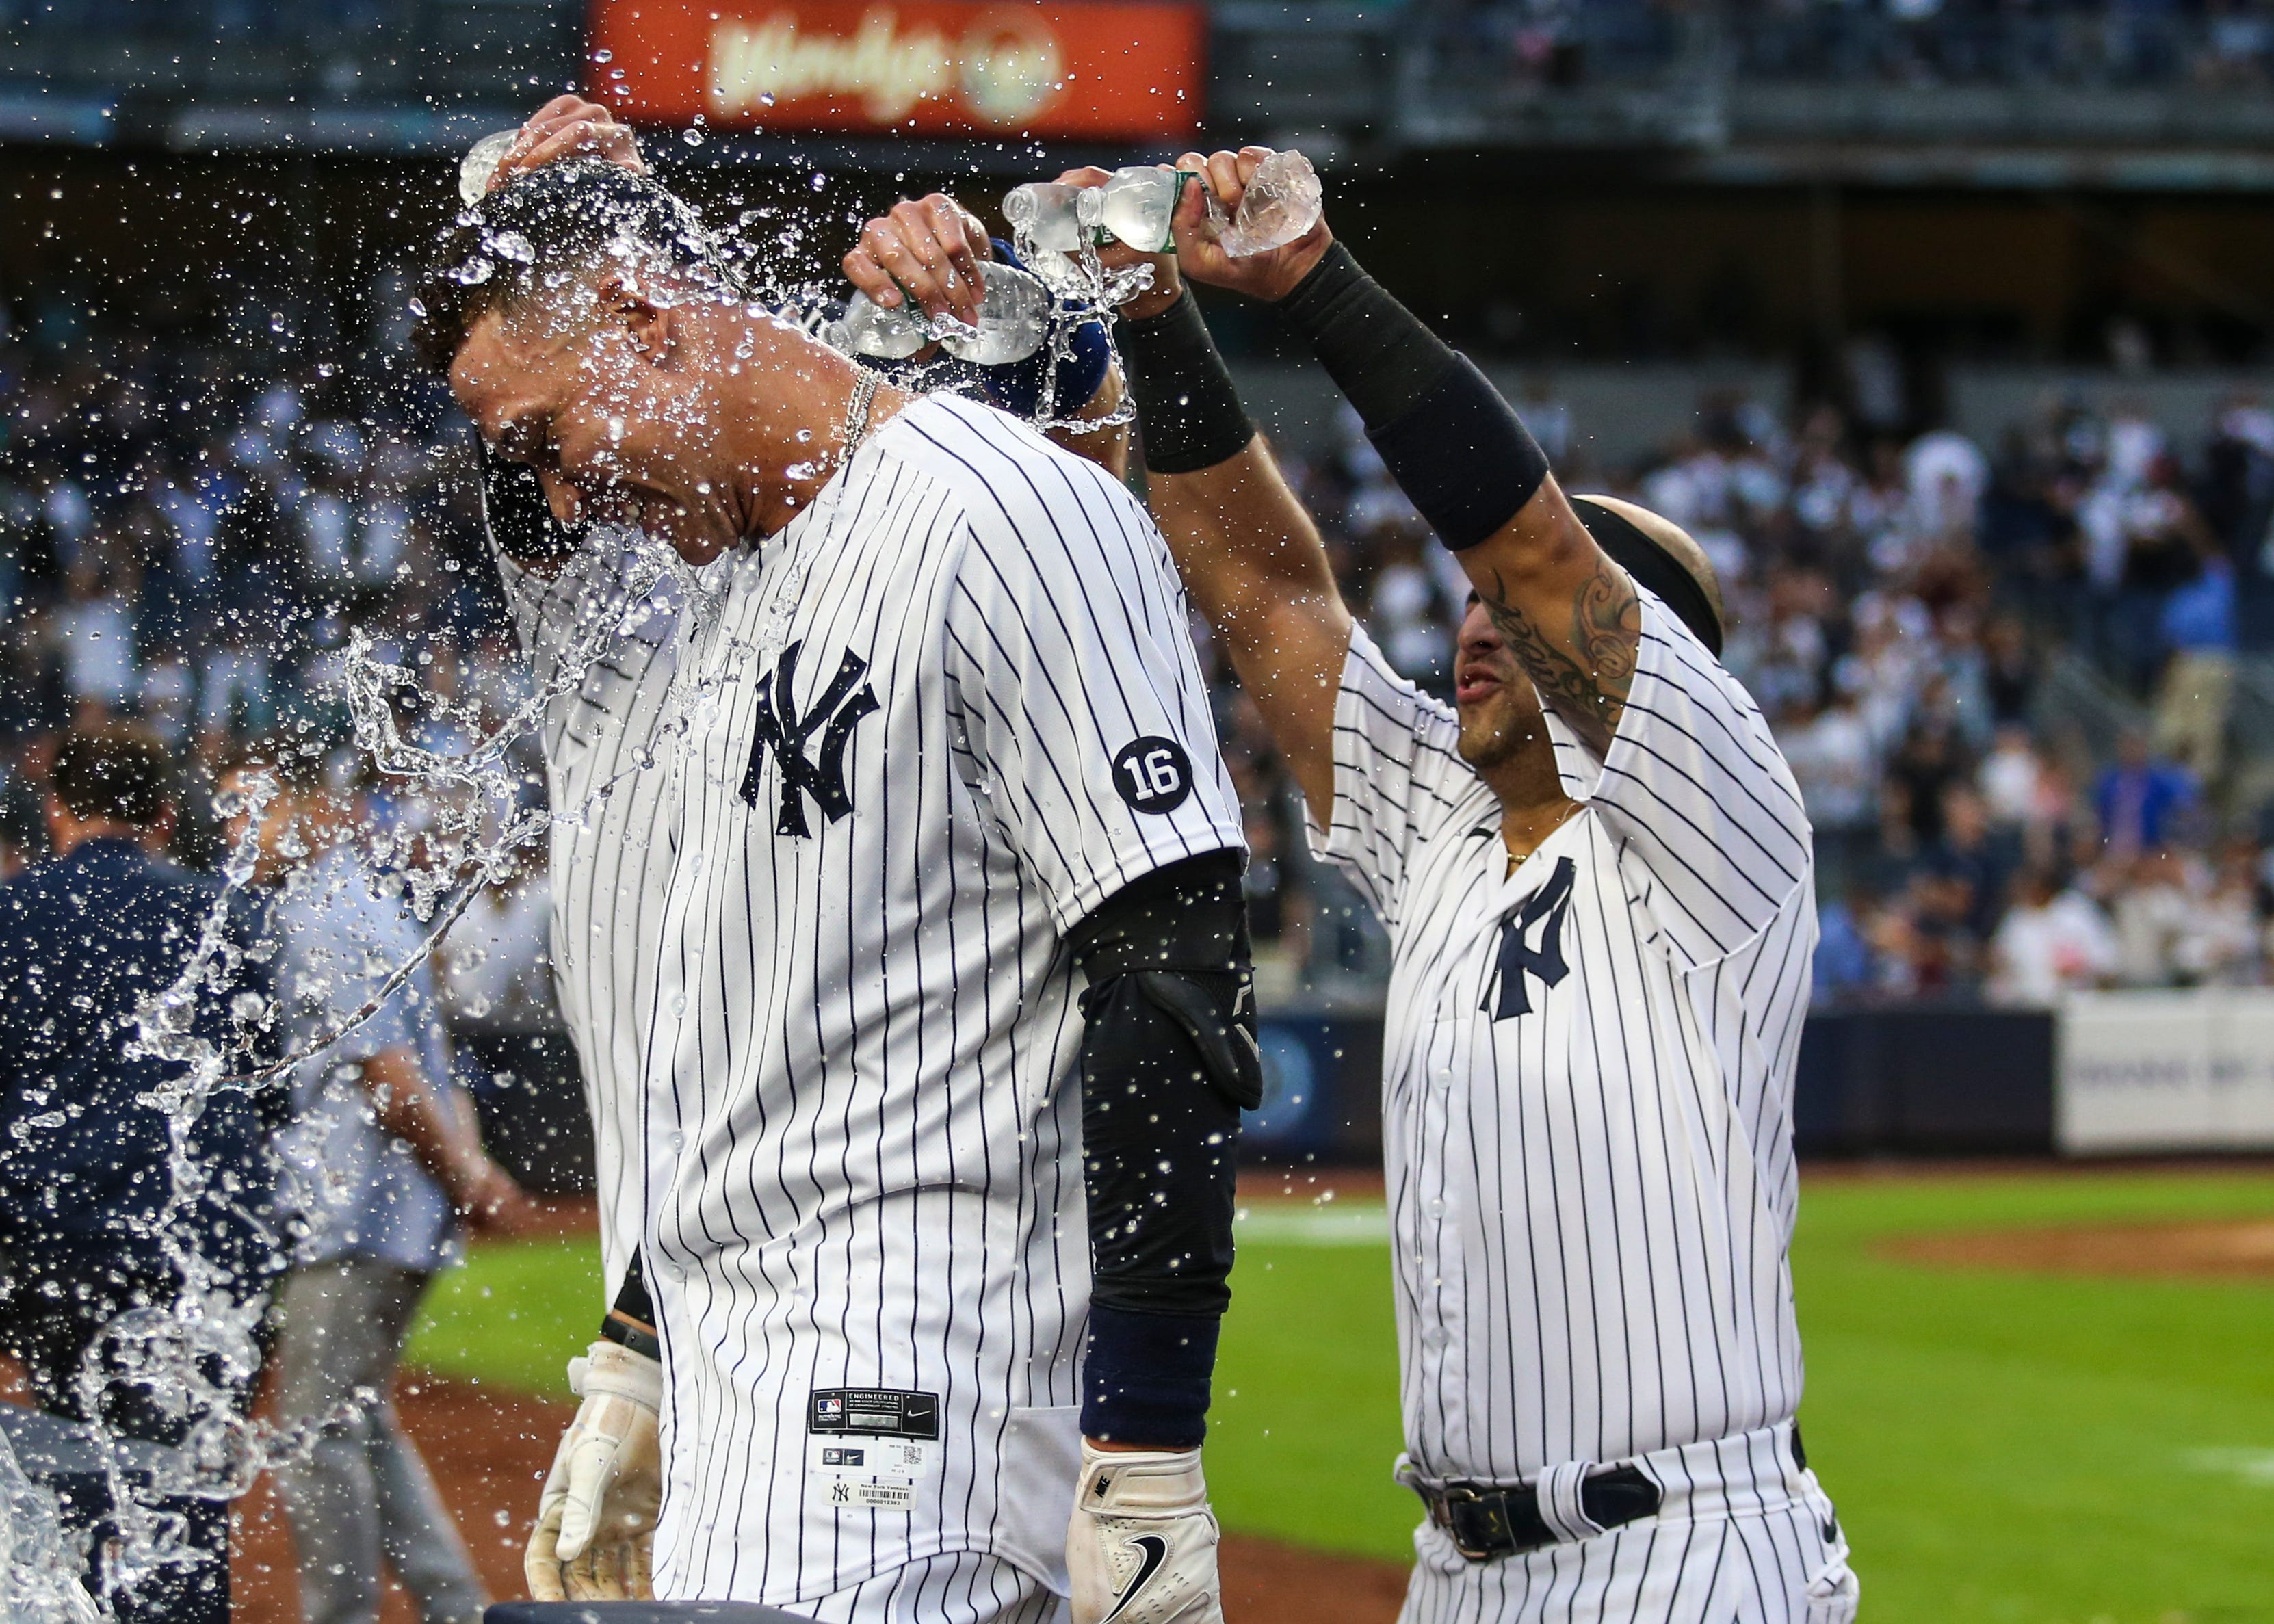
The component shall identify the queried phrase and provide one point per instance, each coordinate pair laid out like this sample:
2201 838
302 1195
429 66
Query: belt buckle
1476 1520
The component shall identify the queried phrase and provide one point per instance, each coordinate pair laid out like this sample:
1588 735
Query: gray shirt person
359 1191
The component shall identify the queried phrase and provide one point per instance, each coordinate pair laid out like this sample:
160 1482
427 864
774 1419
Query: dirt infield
2239 1249
489 1452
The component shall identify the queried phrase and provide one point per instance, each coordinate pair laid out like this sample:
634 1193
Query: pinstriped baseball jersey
610 841
946 712
1588 1073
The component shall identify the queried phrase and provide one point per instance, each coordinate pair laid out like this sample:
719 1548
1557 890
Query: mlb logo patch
828 1405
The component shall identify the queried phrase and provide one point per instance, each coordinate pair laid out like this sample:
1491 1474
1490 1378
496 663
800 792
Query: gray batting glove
1141 1546
595 1534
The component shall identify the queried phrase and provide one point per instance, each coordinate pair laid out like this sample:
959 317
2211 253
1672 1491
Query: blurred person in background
2053 939
85 1173
1837 766
2141 801
2195 693
382 1161
494 963
2153 905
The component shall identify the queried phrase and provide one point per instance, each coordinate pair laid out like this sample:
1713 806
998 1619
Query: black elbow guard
1178 939
1168 1060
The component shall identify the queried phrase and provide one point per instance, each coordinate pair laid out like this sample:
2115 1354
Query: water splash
188 1359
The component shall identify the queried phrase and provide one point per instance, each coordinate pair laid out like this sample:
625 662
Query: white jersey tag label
872 1447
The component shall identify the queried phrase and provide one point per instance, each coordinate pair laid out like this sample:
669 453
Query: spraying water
189 1359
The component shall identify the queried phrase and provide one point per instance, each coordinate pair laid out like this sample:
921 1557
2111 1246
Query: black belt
1486 1522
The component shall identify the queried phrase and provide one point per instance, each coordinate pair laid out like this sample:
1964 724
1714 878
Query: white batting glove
595 1534
1141 1546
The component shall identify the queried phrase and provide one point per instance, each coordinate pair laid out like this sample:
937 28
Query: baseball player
1596 875
950 951
584 595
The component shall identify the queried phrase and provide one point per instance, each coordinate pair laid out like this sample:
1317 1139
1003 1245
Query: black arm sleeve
1168 1060
1456 450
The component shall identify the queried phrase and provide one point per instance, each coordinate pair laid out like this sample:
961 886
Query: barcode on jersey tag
882 1473
871 1446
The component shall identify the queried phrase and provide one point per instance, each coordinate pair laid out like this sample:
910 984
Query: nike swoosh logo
1157 1551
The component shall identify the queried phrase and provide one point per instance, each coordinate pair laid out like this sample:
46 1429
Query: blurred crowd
190 528
2015 680
2007 676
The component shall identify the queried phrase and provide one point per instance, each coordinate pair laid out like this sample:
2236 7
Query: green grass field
2006 1448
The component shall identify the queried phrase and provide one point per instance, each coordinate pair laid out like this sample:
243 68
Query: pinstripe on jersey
1590 1199
896 795
610 852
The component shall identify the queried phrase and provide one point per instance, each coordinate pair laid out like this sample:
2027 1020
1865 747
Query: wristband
1186 405
637 1338
1145 1378
1457 450
631 1322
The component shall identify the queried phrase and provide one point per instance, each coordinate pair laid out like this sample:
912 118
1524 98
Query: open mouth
1473 684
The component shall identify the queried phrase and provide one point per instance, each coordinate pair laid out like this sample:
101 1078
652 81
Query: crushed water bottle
481 162
1282 202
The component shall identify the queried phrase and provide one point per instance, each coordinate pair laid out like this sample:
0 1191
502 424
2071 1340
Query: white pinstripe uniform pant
967 1587
1744 1535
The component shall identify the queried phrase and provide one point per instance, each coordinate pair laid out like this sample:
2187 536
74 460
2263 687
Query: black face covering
1653 566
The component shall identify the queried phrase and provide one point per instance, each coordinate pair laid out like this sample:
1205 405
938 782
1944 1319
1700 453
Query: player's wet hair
116 770
547 230
1659 554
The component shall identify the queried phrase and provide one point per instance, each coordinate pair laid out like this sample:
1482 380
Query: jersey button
1437 1206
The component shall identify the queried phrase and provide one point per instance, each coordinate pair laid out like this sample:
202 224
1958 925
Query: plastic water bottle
1045 214
1135 206
1014 319
1138 204
1282 203
481 162
868 329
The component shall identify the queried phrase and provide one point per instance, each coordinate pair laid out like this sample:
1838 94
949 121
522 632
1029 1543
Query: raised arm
1249 554
929 250
1569 613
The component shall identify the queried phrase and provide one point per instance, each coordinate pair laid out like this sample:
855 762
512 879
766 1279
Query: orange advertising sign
921 67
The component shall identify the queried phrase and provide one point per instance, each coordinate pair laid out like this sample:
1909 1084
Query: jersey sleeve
1074 676
1398 777
1716 842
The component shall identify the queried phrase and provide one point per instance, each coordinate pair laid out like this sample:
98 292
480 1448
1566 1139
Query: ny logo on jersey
1546 908
785 732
